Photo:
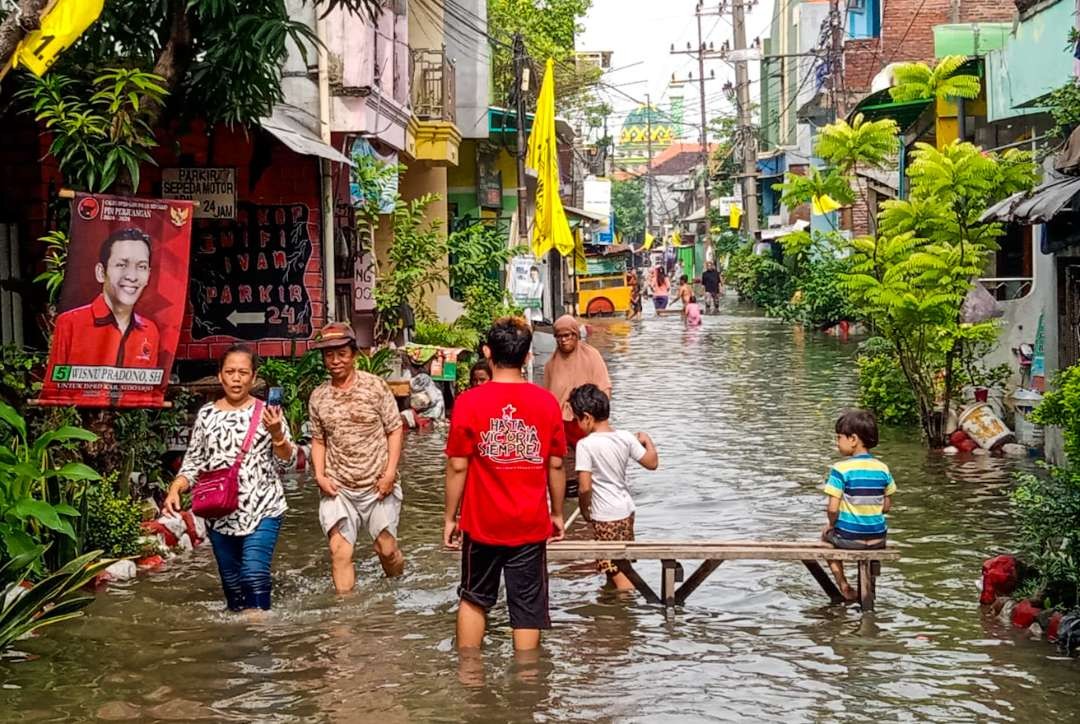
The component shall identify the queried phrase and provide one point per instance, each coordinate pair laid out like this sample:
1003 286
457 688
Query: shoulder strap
256 417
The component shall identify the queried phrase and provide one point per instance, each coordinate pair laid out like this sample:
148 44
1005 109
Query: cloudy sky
641 32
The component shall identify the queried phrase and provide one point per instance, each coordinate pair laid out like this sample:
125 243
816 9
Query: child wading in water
860 491
602 458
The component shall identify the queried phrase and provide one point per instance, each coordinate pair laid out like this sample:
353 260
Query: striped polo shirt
861 483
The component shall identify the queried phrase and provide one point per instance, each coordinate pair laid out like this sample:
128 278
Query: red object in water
1000 578
982 394
150 561
1025 614
1052 625
962 441
155 528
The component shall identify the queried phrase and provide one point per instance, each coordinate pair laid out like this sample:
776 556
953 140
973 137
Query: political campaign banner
122 304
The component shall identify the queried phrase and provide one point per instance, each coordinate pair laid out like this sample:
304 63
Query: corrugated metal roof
1037 206
292 126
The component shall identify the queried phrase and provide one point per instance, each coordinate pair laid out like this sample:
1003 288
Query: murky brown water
742 411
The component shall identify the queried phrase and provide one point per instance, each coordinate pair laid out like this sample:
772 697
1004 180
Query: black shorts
525 570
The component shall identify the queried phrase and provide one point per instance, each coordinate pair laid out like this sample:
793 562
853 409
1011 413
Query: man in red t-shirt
505 451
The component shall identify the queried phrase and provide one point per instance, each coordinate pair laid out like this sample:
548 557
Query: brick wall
268 175
907 34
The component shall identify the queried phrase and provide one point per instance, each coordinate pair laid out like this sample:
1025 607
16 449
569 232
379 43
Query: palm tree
916 81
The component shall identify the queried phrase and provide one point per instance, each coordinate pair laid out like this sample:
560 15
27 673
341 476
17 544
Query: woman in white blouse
244 540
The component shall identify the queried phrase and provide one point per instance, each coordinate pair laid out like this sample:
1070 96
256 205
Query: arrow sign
237 318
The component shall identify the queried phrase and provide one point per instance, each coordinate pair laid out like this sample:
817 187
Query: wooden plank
696 579
643 588
557 552
866 586
824 581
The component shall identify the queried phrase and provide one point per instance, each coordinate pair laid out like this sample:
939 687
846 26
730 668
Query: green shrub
113 522
818 301
441 334
883 389
759 279
1047 507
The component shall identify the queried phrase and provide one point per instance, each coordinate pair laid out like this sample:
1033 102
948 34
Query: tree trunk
16 26
175 58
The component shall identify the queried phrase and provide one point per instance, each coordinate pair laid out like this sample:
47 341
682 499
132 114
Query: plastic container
1027 432
984 427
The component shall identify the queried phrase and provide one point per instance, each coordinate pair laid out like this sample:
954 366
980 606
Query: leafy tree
478 254
416 265
221 59
724 165
628 203
917 81
910 277
549 28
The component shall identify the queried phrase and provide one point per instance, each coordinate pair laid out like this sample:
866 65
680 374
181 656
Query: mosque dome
635 128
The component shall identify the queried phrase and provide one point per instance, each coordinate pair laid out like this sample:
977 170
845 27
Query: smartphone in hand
275 397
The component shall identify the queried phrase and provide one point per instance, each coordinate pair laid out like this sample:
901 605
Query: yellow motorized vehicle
603 290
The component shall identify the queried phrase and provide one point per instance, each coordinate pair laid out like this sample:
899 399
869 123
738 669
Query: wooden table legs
672 573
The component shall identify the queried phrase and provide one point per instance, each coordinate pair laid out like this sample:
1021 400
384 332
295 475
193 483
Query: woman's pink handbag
217 492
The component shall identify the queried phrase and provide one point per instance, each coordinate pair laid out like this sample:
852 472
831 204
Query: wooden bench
712 553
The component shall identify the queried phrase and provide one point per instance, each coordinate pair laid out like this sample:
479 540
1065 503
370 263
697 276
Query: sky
640 34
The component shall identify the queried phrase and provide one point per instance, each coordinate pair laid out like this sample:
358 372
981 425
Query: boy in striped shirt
860 491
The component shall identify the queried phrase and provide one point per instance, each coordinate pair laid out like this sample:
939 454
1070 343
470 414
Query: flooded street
742 412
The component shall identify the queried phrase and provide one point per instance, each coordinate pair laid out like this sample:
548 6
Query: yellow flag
551 228
649 241
60 28
823 204
581 265
676 239
735 221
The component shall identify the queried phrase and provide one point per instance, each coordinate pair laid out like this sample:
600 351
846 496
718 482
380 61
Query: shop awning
877 106
291 126
1037 206
585 215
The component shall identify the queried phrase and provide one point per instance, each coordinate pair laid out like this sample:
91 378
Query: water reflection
742 411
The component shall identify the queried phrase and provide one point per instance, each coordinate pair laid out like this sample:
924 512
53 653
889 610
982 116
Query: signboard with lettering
247 275
212 189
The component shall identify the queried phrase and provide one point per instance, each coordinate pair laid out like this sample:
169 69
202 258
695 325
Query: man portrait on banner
108 332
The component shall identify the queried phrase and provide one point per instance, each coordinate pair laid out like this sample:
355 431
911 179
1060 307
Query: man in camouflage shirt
357 435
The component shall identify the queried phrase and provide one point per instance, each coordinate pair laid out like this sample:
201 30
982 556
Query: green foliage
441 334
917 81
20 375
377 363
100 129
1063 104
860 144
223 59
417 264
56 245
113 521
818 301
759 279
478 256
797 189
628 203
912 278
57 597
298 377
138 442
1060 407
724 164
883 389
1047 507
37 493
549 28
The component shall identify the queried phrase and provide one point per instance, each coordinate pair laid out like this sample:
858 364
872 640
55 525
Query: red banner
125 289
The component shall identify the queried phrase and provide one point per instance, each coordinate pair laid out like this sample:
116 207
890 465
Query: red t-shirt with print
508 431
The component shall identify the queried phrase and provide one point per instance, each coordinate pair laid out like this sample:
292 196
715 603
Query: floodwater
742 411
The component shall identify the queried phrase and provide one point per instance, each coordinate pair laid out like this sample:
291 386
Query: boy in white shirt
602 458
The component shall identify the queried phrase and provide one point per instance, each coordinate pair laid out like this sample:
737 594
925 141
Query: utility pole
746 126
702 52
648 169
836 59
521 90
